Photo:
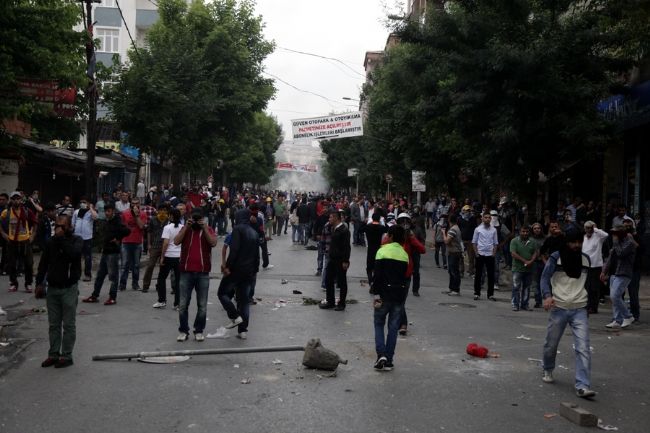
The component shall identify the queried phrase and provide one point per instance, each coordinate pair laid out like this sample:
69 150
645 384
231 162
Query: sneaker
537 306
176 308
13 288
90 300
403 331
49 362
63 363
318 273
453 293
380 363
548 377
122 289
28 288
389 366
492 298
182 337
585 393
477 297
86 278
160 305
2 312
613 325
242 335
268 267
136 288
110 301
515 309
234 322
416 293
627 322
199 336
340 307
326 306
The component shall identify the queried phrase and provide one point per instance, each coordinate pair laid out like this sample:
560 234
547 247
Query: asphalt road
435 386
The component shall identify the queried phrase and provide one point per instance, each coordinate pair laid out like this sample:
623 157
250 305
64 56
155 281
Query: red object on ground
476 350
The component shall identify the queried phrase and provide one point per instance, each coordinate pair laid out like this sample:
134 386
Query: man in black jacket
303 221
114 231
61 262
241 270
338 263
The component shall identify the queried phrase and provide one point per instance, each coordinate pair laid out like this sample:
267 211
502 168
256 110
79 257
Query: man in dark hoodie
241 271
114 231
374 231
61 262
390 286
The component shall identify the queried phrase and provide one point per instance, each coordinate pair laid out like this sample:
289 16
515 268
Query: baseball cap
494 213
14 194
589 224
467 207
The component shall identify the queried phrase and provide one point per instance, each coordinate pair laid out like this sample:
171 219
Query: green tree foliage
38 42
498 90
194 94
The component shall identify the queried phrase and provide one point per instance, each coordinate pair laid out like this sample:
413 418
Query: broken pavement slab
578 415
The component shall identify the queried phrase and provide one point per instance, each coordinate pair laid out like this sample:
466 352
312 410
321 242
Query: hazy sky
342 29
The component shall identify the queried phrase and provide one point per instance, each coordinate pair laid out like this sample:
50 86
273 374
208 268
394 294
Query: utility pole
91 92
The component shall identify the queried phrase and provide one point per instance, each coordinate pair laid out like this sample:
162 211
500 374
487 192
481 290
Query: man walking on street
390 287
563 287
619 270
241 270
61 262
337 264
592 246
114 232
196 239
485 242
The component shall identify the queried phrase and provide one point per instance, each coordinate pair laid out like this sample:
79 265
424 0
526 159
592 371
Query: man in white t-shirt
170 258
592 245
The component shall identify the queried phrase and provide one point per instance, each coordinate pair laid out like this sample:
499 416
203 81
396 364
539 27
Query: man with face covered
565 296
18 229
619 270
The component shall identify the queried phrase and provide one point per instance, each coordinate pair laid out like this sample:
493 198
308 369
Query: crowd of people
562 260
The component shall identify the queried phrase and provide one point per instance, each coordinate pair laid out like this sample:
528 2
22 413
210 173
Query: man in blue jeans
240 271
565 276
390 287
196 239
114 232
620 265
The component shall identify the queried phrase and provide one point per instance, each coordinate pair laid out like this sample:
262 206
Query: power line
301 90
323 57
153 3
127 28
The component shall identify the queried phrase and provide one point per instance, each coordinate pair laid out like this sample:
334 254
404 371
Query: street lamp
346 98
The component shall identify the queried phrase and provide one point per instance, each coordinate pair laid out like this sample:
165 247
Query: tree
195 90
38 42
499 90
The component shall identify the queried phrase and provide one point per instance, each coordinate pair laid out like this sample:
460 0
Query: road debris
235 366
284 281
550 415
523 337
602 426
277 362
317 356
221 332
535 360
297 292
246 381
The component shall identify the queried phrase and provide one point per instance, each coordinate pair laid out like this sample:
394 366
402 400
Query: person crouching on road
240 271
61 262
563 288
390 286
196 239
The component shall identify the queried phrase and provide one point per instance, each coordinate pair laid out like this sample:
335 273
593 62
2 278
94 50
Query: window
109 40
107 3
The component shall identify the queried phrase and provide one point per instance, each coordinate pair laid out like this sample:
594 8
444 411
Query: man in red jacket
196 239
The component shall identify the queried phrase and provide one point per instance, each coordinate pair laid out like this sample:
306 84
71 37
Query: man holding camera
135 221
196 239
